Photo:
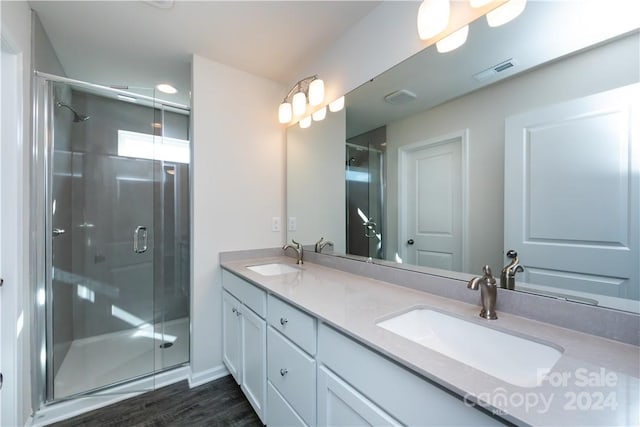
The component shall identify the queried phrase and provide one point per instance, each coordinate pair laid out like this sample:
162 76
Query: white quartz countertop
595 382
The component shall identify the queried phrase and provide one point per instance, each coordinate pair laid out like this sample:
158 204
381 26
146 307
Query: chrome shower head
77 118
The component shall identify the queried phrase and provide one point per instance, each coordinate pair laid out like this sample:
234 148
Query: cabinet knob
283 321
283 372
233 310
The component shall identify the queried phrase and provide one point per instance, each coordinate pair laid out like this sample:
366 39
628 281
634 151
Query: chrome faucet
508 275
488 293
297 248
320 244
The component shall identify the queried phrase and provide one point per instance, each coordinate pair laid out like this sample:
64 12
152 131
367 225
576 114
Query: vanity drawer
280 412
250 295
293 323
293 373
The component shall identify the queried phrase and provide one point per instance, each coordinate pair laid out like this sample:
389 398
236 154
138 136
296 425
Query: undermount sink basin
513 359
274 269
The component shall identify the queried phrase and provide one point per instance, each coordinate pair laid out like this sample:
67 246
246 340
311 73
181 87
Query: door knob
410 242
58 232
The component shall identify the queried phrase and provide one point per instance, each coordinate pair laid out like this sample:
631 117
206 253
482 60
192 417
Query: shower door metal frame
41 222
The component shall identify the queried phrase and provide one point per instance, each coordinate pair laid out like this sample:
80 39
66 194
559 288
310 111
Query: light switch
293 224
275 223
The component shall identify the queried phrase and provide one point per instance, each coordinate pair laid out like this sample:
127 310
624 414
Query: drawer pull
283 321
283 372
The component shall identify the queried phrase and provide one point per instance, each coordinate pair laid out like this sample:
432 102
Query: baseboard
209 375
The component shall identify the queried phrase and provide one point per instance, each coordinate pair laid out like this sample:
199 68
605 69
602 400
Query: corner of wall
237 176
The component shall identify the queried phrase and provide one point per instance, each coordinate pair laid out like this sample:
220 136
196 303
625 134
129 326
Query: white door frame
11 231
403 154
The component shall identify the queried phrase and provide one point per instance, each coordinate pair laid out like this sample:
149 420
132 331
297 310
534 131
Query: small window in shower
146 146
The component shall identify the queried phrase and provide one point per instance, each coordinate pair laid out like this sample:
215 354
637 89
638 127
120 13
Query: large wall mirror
524 139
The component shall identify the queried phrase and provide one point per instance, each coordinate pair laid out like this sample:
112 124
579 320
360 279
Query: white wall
315 181
16 32
238 186
483 112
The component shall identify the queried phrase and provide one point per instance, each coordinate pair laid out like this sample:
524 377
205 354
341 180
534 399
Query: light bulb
433 18
316 92
337 105
284 113
453 40
299 103
506 12
320 114
305 122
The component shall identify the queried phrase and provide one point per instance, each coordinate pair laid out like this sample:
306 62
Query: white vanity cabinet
357 386
244 338
291 365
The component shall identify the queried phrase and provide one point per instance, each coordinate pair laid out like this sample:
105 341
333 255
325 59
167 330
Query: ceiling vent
400 97
492 71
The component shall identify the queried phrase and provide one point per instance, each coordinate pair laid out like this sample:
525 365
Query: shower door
365 186
100 223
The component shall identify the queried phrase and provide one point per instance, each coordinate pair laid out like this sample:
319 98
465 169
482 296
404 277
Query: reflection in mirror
521 139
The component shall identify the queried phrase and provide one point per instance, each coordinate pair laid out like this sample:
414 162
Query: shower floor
102 360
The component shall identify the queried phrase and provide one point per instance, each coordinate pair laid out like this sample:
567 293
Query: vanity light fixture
337 105
506 12
320 114
433 17
166 88
295 103
299 103
305 122
453 40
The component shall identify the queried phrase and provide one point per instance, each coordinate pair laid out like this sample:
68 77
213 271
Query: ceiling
137 44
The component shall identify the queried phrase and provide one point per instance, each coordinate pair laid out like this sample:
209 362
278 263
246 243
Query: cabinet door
231 335
341 405
254 360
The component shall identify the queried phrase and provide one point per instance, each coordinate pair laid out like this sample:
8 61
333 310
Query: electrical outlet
275 223
293 224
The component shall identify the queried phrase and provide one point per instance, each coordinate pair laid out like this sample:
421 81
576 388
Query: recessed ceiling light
166 88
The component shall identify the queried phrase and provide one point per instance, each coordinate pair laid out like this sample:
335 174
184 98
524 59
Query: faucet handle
488 276
512 254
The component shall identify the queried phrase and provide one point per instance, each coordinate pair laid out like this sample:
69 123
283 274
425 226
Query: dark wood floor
218 403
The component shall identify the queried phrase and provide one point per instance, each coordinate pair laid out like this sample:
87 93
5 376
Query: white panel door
254 360
571 195
431 202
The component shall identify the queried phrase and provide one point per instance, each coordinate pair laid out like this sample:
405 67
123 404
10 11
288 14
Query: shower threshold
93 364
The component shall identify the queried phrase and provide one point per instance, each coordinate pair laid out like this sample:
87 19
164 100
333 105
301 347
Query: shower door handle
140 233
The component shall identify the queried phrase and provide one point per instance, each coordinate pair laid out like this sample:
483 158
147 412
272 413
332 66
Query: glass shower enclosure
111 216
365 193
